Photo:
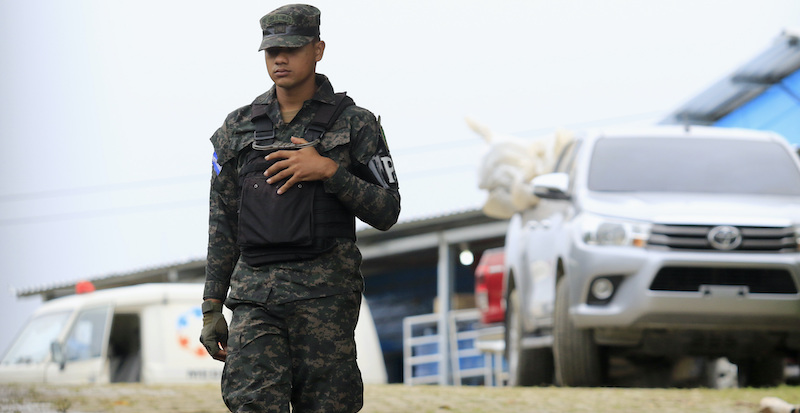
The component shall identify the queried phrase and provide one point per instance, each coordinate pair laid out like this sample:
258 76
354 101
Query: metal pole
444 291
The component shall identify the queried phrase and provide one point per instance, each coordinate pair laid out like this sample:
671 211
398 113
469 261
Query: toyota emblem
725 237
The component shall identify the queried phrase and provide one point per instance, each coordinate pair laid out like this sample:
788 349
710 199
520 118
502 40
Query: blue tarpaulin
777 110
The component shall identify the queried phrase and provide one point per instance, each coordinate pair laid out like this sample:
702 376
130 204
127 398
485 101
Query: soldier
282 214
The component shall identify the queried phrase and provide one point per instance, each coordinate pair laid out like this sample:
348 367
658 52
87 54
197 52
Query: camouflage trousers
301 352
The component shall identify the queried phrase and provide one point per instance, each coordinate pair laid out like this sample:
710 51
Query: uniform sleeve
374 203
223 253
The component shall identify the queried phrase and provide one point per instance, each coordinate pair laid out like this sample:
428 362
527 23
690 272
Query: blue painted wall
777 110
392 296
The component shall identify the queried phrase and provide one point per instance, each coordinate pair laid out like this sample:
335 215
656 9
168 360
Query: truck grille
758 280
696 237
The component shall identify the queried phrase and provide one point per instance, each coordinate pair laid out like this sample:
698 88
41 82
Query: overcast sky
106 107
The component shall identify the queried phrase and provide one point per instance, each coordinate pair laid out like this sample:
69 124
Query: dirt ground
398 398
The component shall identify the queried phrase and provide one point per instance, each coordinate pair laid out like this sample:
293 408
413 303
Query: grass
421 399
398 398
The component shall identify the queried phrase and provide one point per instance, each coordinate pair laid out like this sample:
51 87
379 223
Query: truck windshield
729 166
33 344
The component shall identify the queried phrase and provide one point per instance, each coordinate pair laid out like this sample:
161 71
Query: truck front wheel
526 366
578 359
765 371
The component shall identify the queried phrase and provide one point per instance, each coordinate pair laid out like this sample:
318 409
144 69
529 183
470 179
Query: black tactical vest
304 221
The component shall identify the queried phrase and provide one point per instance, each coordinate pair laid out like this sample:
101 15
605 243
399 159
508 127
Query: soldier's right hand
215 330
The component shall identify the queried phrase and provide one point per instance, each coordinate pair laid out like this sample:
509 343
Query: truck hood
701 209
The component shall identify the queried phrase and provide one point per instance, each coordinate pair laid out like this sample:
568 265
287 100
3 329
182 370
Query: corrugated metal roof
426 223
59 288
190 267
750 80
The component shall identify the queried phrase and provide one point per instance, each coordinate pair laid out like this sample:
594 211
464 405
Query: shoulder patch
215 164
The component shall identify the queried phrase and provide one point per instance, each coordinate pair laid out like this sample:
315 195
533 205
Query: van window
33 344
124 349
85 341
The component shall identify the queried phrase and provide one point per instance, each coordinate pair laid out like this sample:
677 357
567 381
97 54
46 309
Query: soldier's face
290 67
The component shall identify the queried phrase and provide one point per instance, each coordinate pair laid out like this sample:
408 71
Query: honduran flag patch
215 164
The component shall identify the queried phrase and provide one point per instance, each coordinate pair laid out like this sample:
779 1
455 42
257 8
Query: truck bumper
637 305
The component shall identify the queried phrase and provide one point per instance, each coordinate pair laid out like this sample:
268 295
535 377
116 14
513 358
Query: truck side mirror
57 352
551 186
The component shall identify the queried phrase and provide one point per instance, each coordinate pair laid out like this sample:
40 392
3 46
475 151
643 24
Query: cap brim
285 41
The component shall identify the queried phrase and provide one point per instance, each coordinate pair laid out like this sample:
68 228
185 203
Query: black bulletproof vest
302 222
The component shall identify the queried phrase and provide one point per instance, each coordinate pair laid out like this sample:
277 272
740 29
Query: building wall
777 110
404 292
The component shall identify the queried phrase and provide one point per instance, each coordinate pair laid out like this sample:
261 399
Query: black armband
381 170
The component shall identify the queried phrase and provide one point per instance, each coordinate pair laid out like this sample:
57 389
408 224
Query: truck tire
578 359
526 366
762 372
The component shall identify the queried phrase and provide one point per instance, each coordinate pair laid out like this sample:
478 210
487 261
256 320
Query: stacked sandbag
508 166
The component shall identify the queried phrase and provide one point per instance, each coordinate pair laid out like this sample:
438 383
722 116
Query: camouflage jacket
354 138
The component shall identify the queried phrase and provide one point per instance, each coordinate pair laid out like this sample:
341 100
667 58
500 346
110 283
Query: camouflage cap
293 25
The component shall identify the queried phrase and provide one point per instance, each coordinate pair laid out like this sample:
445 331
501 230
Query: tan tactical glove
215 330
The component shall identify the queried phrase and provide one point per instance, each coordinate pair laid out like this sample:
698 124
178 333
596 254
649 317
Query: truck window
721 166
33 344
85 341
566 158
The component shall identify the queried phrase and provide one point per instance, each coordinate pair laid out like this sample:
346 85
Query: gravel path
397 398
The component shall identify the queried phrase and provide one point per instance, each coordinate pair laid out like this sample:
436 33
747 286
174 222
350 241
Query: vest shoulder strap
265 130
323 120
326 116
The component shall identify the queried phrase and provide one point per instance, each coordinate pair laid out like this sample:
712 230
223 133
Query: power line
426 173
436 146
86 190
475 140
409 176
424 148
100 213
593 123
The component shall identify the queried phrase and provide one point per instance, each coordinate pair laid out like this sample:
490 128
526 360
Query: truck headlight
598 230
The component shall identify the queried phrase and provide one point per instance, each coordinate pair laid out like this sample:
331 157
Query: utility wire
592 123
68 216
86 190
424 148
103 212
448 145
426 173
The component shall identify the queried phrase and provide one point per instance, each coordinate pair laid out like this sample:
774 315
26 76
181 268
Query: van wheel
526 366
578 360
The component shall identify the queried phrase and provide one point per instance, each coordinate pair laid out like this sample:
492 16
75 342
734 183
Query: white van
146 333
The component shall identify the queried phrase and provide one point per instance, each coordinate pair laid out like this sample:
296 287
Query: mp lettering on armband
388 167
381 171
215 164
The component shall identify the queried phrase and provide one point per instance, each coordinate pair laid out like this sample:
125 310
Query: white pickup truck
657 243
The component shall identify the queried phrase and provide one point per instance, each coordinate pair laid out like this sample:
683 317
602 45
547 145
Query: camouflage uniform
292 332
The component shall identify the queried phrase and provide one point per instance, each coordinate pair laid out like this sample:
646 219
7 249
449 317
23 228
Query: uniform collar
323 94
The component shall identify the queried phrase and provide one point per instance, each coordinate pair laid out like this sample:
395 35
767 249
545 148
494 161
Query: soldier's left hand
298 166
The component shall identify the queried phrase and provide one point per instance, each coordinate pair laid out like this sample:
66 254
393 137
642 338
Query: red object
83 287
489 286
